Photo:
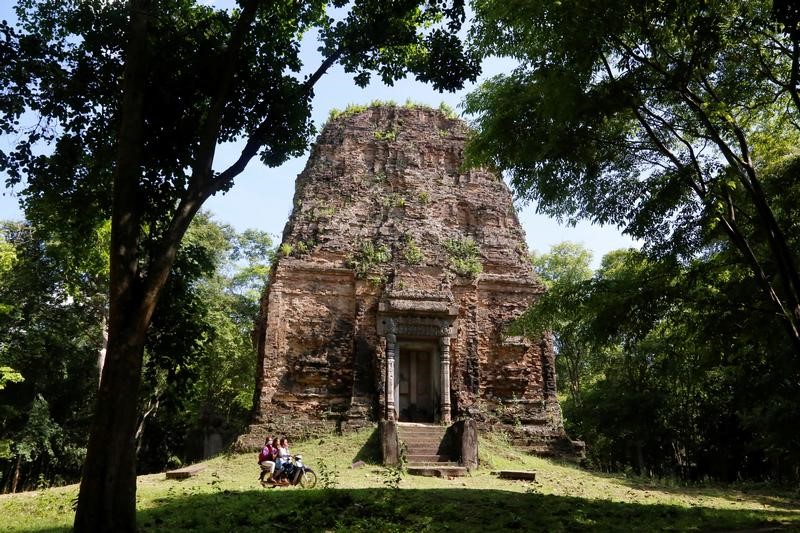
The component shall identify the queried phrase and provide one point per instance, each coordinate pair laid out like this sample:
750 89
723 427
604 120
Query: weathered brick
393 177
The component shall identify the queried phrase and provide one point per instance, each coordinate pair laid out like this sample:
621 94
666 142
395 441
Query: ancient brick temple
397 277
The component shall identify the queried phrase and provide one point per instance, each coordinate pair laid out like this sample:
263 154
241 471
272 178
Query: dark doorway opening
416 385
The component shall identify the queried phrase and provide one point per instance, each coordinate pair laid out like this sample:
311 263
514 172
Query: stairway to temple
428 451
550 446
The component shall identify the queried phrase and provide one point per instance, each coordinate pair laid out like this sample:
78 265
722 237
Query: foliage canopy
676 121
133 133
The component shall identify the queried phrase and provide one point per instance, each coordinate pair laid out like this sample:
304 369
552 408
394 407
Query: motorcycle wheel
309 479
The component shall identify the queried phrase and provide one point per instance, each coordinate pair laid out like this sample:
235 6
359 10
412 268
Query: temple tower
398 274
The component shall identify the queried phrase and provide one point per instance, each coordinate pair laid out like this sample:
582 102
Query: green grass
227 497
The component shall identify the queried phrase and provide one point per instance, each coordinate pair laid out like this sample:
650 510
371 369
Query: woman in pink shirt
267 458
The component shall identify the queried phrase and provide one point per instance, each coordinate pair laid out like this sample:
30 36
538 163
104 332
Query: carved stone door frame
397 329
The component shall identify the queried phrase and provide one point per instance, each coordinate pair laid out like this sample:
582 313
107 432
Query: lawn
227 497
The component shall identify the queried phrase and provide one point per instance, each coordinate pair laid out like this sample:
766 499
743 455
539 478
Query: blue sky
262 197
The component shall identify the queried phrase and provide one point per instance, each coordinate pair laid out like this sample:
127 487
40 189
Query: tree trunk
151 409
15 479
107 498
639 458
101 353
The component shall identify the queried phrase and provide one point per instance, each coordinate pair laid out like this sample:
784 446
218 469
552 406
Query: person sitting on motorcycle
266 459
284 457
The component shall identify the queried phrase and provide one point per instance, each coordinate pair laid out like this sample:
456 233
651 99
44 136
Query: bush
367 257
286 249
386 135
464 256
412 254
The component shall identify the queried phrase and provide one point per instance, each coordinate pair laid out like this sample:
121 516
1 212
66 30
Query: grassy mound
227 497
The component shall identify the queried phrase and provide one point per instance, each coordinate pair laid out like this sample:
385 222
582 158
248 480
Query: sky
261 197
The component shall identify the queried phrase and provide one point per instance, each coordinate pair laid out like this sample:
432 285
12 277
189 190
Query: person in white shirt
283 459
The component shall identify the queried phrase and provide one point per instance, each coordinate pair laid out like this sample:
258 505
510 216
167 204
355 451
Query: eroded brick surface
392 177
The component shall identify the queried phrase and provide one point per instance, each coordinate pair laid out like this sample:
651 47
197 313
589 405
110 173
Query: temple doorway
417 384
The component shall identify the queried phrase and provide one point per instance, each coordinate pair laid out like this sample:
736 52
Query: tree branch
255 142
202 169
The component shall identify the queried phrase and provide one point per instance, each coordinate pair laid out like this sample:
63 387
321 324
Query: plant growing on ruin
286 249
402 457
355 109
448 111
424 197
394 200
386 135
301 247
323 211
367 258
464 256
412 253
376 280
382 103
350 110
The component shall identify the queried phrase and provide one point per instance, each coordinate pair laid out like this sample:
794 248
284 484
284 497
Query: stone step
402 426
423 436
420 427
433 449
425 451
525 475
428 458
183 473
422 444
539 451
437 471
429 434
558 450
418 440
537 440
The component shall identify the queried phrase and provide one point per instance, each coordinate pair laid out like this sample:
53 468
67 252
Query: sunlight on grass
227 496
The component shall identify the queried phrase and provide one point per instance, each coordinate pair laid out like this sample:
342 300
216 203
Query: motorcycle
294 473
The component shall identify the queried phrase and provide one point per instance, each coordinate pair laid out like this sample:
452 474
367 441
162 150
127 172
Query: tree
682 374
120 111
563 270
198 364
50 328
669 119
199 355
226 385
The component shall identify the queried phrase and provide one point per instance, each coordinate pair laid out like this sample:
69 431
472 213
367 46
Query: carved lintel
415 326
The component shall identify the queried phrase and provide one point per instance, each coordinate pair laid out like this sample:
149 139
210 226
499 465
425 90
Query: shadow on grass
432 510
370 452
776 496
771 496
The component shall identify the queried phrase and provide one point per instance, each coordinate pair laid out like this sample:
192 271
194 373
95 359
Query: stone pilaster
444 345
391 353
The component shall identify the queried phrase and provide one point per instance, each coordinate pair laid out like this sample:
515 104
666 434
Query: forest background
676 360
